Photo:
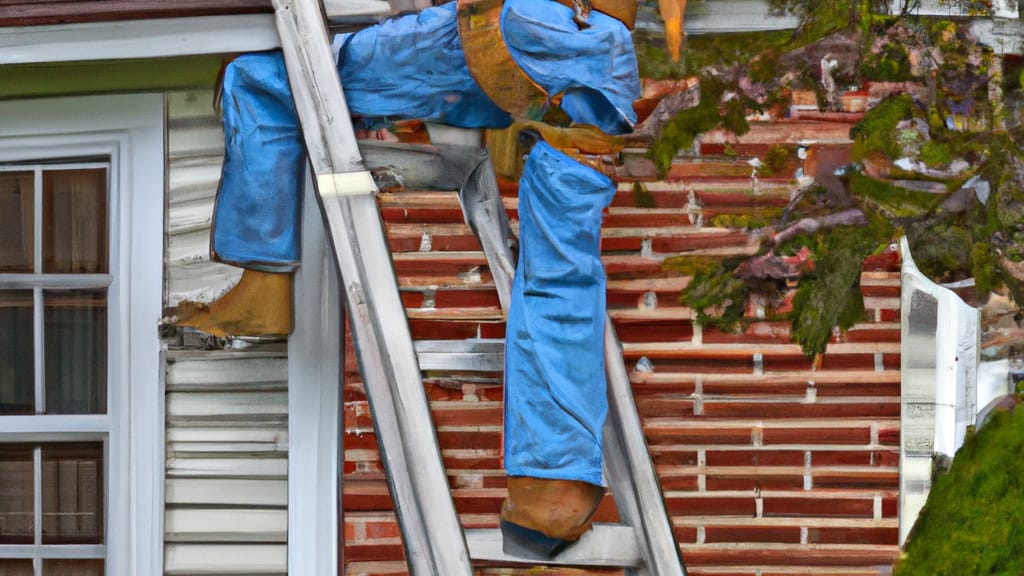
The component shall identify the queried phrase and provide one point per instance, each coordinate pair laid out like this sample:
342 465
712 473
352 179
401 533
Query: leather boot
541 517
259 306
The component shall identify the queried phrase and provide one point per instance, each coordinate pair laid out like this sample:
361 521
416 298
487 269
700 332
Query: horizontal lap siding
768 464
227 411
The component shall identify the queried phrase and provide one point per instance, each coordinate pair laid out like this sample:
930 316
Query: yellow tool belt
490 62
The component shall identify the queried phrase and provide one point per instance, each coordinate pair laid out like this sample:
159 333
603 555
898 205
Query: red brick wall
766 463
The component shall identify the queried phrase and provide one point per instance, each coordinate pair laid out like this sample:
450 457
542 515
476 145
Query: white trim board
155 38
159 37
315 352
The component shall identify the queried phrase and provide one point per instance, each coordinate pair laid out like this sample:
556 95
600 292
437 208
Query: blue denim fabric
555 386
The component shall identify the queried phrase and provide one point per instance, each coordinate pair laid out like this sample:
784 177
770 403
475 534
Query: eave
187 33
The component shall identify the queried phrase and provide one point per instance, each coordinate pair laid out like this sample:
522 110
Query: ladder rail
434 541
630 470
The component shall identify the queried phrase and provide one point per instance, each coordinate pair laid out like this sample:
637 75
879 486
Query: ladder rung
482 355
607 545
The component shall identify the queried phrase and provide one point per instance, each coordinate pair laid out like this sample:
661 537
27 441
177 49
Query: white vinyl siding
227 410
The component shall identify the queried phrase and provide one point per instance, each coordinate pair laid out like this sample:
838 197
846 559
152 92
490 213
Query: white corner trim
314 417
130 128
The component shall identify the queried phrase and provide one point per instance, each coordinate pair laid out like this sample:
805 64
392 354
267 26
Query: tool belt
490 62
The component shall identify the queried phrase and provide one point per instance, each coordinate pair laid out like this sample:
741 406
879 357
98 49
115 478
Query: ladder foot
523 542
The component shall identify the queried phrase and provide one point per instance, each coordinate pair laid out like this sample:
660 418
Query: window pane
15 568
16 499
17 217
75 221
17 367
73 568
73 493
75 337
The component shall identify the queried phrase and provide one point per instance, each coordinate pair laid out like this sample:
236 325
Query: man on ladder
474 64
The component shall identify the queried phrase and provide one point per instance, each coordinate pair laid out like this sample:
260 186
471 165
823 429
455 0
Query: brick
849 535
664 406
754 458
790 555
756 333
812 436
466 298
754 482
880 480
841 458
890 507
391 568
621 244
378 551
442 330
697 436
466 413
469 438
685 534
784 506
710 506
667 457
679 483
492 329
889 435
753 534
654 331
689 242
799 409
885 458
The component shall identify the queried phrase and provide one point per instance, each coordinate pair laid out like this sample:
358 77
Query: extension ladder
435 543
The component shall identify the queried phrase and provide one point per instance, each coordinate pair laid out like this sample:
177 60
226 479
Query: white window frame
130 130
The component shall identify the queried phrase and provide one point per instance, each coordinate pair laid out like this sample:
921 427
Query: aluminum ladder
435 543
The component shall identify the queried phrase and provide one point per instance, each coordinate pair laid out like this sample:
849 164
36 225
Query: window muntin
54 354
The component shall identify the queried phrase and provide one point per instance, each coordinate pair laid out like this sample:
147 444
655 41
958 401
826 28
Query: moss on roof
973 522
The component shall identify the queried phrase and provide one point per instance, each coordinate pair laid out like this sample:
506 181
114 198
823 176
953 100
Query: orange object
672 12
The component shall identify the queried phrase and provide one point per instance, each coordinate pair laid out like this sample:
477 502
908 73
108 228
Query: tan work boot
259 306
541 517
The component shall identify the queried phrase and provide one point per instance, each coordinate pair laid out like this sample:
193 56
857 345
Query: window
53 361
80 289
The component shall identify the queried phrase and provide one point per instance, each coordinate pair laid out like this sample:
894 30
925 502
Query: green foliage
892 200
936 154
819 19
973 522
655 62
717 296
744 221
738 48
689 265
891 65
985 268
710 112
829 296
876 132
944 252
775 160
642 198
